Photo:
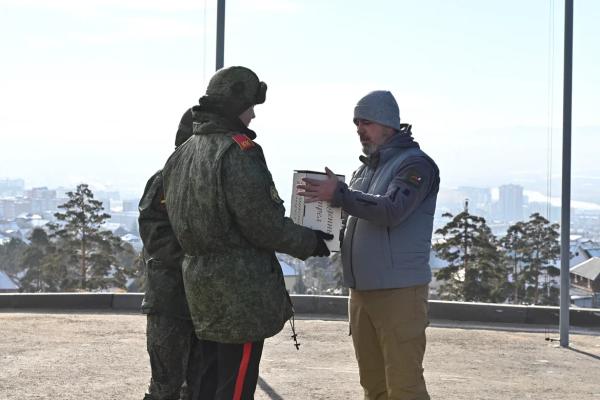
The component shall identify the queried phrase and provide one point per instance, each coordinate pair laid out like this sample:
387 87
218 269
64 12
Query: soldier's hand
321 250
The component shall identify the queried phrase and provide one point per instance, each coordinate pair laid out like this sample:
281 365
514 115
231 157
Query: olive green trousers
388 332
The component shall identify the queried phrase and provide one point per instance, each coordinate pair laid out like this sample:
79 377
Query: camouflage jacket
162 254
229 219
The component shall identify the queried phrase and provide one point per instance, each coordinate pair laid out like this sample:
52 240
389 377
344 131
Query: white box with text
318 215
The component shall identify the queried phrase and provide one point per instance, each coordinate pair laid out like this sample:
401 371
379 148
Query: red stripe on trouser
239 383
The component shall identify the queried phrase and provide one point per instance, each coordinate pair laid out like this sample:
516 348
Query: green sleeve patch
413 177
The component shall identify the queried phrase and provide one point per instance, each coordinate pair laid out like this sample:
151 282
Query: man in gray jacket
391 201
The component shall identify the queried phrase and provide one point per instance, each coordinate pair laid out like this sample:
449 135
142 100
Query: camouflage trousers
174 358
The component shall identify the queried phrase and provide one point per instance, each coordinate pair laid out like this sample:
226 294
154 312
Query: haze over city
94 91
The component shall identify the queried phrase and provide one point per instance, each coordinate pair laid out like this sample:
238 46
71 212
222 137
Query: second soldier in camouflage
171 341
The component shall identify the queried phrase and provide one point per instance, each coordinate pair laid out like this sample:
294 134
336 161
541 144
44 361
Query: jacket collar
401 140
205 117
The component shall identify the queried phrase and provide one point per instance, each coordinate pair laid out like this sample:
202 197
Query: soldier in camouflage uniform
229 219
171 341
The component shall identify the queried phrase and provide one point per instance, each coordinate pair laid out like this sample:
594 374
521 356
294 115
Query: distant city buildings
510 203
11 187
552 213
22 210
480 199
41 199
131 205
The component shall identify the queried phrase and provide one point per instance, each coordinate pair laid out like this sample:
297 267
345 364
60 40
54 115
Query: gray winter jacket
391 202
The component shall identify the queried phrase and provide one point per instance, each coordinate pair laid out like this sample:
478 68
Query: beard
368 148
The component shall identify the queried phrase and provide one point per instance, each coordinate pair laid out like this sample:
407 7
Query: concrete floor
102 356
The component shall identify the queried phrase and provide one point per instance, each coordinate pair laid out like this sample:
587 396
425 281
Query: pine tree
299 286
543 250
11 254
93 249
32 261
491 277
517 254
476 269
137 271
315 274
45 268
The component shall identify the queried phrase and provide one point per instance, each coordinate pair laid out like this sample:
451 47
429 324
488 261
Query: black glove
321 250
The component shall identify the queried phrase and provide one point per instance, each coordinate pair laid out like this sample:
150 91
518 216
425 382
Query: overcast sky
93 90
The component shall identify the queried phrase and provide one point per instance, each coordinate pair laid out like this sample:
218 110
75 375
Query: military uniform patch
413 178
275 195
243 141
416 180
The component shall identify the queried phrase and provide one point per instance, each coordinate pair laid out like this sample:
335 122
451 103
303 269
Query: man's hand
318 190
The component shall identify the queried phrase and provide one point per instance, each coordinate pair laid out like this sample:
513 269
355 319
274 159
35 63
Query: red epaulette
243 141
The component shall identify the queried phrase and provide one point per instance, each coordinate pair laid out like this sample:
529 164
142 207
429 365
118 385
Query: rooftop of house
102 355
6 283
589 269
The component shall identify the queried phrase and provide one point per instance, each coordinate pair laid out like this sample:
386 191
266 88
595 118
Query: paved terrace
101 355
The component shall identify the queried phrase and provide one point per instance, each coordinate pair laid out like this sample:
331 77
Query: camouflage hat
236 88
185 128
